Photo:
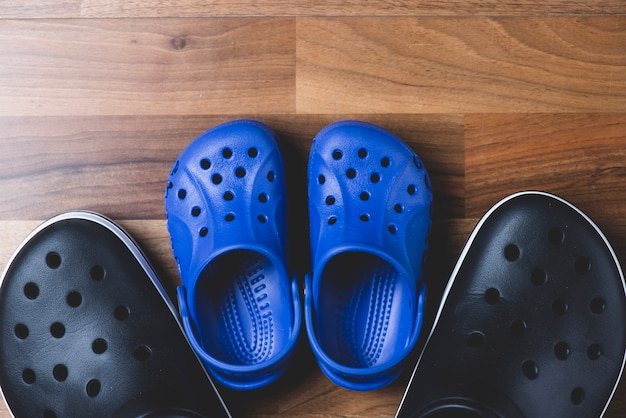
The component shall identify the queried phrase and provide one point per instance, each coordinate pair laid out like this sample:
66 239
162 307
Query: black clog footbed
87 330
532 323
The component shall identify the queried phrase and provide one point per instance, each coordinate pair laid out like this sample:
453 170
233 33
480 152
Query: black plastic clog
87 330
532 323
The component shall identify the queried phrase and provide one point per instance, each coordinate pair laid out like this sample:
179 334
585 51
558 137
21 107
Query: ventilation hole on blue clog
556 235
29 376
560 307
31 290
364 196
270 176
417 162
598 305
53 260
57 330
195 211
362 153
228 196
538 277
330 200
253 152
332 220
262 197
203 231
262 218
582 265
216 178
562 350
99 346
21 331
240 172
97 272
337 154
182 193
93 388
475 339
121 312
364 217
578 396
492 296
142 353
392 228
351 173
170 185
205 164
74 299
175 168
229 217
530 369
60 372
384 162
519 327
398 208
321 179
594 351
375 178
511 252
227 153
411 189
49 413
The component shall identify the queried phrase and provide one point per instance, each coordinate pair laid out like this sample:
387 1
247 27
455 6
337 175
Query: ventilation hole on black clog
53 260
337 154
560 307
556 236
49 413
330 200
578 396
227 153
253 152
57 330
530 369
475 339
195 211
203 231
262 218
418 164
582 265
229 217
74 299
362 153
375 178
384 162
538 277
97 272
332 220
321 179
60 372
240 172
31 290
228 196
598 305
351 173
21 331
216 178
519 327
364 196
594 351
205 164
262 197
182 193
511 252
93 388
392 228
270 176
364 217
562 350
29 376
398 208
492 296
121 312
99 345
142 353
411 189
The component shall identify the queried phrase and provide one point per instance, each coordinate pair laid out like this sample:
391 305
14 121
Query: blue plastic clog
225 204
369 207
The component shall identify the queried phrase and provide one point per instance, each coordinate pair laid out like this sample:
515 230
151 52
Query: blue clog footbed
225 204
369 209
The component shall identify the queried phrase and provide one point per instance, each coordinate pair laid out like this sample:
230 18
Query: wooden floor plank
147 66
461 65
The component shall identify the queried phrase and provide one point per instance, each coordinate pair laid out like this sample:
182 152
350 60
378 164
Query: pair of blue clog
369 214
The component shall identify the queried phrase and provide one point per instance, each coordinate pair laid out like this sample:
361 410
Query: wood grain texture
461 65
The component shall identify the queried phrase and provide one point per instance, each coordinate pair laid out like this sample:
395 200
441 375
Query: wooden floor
98 97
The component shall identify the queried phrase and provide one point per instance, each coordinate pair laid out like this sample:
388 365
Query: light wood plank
461 65
40 9
147 66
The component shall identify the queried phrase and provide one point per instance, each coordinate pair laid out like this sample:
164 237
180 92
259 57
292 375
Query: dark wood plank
461 65
147 66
